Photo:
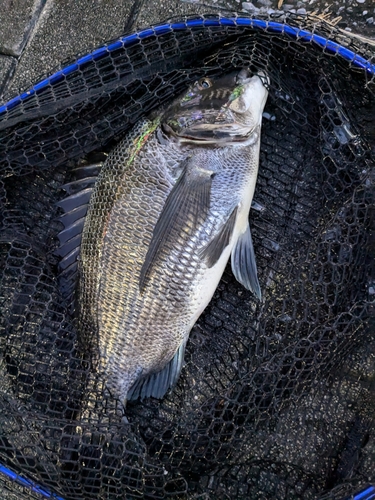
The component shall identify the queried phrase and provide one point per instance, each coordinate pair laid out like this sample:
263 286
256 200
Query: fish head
216 111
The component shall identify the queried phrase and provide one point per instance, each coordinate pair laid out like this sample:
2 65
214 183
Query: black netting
277 398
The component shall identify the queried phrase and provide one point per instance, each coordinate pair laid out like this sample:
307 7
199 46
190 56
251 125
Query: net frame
21 109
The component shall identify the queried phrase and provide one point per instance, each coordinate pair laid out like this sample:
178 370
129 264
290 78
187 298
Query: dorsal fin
74 207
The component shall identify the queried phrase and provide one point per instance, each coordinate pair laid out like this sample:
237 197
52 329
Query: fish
149 231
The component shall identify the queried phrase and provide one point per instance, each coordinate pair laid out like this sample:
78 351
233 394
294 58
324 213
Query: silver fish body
168 209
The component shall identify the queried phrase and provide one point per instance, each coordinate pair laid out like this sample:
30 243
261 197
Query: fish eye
204 83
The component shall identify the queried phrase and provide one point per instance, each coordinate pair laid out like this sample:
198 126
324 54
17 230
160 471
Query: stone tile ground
36 36
42 34
18 19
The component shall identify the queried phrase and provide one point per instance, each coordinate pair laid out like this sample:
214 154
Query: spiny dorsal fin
75 207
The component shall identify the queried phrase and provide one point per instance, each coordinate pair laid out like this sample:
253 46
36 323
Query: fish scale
158 309
169 206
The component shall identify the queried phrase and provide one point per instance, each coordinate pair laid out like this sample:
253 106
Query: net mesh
276 398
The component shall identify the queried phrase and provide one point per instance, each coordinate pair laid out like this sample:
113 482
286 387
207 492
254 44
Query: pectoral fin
185 208
157 384
243 263
212 251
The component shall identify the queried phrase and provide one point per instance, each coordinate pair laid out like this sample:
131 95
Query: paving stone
18 18
7 67
155 11
68 27
64 29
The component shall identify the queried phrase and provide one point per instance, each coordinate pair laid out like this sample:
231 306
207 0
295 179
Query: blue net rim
28 483
258 24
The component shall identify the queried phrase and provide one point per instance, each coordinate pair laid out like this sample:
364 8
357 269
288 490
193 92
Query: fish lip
244 76
264 78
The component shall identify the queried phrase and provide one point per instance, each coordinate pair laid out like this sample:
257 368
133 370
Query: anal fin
243 263
157 384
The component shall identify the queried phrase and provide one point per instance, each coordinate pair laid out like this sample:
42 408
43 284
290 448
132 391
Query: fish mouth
211 133
217 135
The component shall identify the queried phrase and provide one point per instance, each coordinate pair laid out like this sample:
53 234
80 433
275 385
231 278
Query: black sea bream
168 209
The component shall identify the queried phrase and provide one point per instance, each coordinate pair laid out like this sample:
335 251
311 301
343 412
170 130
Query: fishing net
277 397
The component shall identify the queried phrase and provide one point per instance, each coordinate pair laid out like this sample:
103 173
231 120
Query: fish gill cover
277 397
